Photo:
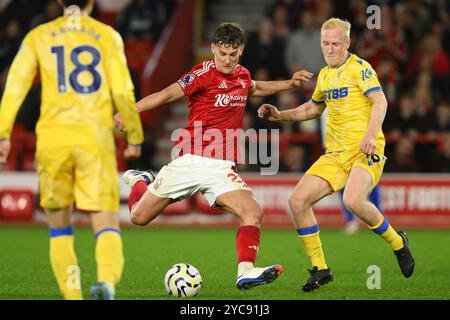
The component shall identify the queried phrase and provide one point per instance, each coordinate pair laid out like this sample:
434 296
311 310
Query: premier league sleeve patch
188 79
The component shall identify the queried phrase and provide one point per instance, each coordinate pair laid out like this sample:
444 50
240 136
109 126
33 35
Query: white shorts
188 174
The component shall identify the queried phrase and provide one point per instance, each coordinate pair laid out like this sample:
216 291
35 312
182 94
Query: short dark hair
79 3
229 34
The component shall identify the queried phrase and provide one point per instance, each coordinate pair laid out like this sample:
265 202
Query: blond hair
334 23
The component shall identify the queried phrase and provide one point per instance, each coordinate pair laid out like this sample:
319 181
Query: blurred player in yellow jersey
84 75
354 157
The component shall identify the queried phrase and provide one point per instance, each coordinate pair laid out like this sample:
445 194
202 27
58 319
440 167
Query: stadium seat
138 52
121 144
108 17
14 153
23 147
16 204
28 145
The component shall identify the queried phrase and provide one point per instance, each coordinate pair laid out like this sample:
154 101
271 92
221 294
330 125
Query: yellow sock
109 256
64 263
310 239
384 229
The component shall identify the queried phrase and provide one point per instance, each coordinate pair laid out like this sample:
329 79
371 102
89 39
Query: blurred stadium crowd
410 54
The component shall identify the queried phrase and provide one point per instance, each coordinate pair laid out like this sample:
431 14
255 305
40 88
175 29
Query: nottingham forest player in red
217 91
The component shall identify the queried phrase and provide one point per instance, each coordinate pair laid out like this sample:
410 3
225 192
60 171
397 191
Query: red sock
136 193
247 243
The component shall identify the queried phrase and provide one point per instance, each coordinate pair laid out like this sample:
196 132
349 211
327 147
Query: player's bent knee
298 205
251 216
252 219
141 216
138 220
352 203
138 217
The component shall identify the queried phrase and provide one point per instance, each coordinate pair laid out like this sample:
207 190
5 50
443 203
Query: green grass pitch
149 252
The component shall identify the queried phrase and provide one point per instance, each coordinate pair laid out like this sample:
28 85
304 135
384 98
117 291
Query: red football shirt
216 104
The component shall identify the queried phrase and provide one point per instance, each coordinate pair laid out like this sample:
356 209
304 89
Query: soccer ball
183 280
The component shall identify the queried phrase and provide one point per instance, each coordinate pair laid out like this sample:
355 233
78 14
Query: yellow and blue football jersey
83 72
344 90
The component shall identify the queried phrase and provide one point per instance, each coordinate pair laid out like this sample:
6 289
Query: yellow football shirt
84 74
344 90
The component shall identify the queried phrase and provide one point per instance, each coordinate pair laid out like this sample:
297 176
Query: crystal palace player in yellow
354 157
84 73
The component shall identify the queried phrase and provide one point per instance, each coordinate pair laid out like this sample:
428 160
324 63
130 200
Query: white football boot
130 177
258 276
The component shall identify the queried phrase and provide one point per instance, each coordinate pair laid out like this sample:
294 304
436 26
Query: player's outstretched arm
169 94
267 88
308 110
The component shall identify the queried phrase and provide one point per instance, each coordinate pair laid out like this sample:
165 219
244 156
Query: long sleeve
19 81
123 92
